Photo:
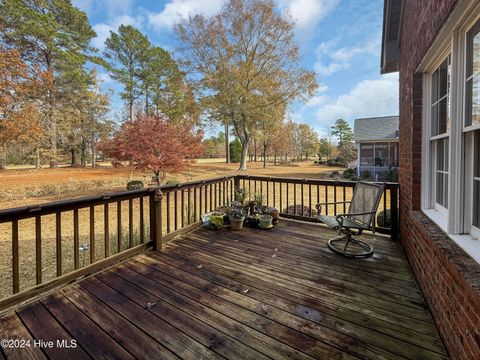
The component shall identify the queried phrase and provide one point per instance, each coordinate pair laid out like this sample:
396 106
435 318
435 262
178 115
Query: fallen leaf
245 291
150 304
274 255
200 266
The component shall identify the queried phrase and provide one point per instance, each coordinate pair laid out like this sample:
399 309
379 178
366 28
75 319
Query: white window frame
429 158
457 220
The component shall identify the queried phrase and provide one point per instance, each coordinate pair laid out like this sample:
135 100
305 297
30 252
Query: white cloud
103 29
367 98
318 98
181 9
331 59
307 13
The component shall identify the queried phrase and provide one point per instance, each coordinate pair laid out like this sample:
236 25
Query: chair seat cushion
332 222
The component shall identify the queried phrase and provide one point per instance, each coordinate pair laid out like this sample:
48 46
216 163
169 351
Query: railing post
394 212
157 219
236 186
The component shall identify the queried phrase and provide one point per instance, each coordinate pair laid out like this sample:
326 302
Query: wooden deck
240 295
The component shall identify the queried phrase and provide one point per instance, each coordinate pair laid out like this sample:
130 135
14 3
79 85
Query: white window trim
458 223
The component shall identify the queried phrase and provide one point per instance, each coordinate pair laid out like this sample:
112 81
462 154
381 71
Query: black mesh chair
360 217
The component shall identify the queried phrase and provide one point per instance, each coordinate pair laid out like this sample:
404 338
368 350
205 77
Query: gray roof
377 128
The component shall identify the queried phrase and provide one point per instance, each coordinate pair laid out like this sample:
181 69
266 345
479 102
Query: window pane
435 82
445 153
439 179
472 91
381 154
394 154
476 204
443 79
366 155
435 130
476 180
476 167
443 121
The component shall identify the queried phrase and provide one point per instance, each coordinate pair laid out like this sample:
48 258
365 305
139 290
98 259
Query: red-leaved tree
154 143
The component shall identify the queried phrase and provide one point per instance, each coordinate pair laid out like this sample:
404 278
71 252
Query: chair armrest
319 205
340 217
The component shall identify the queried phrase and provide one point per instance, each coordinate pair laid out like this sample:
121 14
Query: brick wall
449 278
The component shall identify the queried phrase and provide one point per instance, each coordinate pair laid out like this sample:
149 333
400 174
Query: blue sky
339 39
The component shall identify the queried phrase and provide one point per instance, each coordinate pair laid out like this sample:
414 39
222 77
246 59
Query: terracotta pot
236 224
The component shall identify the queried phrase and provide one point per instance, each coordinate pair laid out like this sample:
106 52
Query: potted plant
265 221
236 217
216 219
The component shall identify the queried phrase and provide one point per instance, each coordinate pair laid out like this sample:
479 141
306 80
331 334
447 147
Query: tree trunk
227 145
243 157
255 149
83 153
38 164
264 154
3 158
73 153
130 109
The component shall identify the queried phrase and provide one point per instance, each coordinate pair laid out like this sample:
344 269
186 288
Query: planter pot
274 213
265 221
252 204
236 223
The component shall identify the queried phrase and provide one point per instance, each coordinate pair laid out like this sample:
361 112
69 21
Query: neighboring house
435 45
377 145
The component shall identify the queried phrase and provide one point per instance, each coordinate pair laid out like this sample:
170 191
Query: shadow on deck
249 295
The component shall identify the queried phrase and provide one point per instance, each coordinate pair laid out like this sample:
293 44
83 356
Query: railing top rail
347 183
23 212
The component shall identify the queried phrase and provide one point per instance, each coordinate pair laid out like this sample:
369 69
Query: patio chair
360 217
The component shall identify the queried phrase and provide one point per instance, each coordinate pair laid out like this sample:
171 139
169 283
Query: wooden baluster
15 262
188 206
58 239
175 209
142 221
130 223
335 199
211 197
119 226
200 196
310 199
183 207
168 212
295 199
206 198
76 240
288 200
195 204
301 194
318 194
326 200
92 234
280 184
106 230
267 192
384 208
38 248
344 199
215 195
274 196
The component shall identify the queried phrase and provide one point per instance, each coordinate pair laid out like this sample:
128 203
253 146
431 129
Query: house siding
449 278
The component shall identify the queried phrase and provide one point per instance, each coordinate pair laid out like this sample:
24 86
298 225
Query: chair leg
347 239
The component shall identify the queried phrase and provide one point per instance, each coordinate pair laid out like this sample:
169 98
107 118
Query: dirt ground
19 187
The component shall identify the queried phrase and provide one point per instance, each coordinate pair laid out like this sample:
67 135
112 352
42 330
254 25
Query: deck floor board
251 294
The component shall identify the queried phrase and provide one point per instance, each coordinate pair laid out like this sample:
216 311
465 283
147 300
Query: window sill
467 242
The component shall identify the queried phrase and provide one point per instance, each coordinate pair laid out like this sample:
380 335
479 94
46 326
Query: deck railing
59 242
297 198
73 238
